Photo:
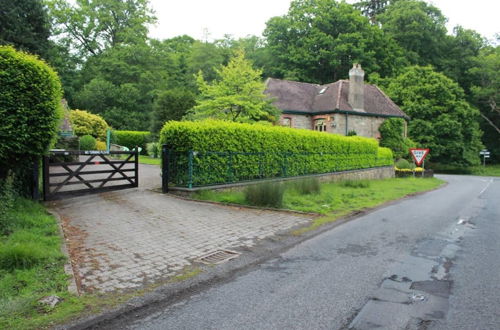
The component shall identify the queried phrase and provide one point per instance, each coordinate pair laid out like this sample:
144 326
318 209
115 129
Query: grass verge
336 199
143 159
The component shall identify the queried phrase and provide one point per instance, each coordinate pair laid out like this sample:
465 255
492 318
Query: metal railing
194 169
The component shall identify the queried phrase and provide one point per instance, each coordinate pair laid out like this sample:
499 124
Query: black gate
69 173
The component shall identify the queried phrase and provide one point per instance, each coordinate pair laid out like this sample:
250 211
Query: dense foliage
88 142
132 139
30 116
392 131
86 123
171 105
442 120
228 152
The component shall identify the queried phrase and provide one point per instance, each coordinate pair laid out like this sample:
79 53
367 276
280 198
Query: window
287 122
319 125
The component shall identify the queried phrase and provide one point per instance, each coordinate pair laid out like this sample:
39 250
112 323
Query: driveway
126 239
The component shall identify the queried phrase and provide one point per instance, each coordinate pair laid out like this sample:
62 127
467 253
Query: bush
30 108
131 139
307 186
87 142
404 164
100 145
86 123
153 149
7 196
268 194
231 152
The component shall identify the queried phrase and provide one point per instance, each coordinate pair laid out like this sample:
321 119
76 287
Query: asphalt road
427 262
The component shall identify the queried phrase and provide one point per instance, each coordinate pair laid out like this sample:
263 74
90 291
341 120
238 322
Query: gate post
136 166
164 169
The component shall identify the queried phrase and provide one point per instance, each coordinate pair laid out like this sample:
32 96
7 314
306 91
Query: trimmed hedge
131 139
212 152
30 108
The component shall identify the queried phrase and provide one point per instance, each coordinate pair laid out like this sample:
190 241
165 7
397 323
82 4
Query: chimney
356 87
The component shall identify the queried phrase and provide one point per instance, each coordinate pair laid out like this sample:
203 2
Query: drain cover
218 257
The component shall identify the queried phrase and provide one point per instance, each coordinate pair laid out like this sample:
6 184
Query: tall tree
442 120
236 95
372 8
91 26
486 95
171 105
24 24
419 28
318 40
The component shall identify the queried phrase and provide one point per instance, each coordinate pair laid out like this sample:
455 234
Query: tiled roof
313 98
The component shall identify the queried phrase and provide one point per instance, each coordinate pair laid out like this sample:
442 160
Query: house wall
336 123
298 121
363 125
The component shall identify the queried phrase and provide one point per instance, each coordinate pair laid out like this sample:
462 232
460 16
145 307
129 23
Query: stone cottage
341 107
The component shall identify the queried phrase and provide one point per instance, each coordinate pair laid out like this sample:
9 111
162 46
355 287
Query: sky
212 19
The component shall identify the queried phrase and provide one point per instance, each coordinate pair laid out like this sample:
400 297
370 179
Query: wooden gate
70 173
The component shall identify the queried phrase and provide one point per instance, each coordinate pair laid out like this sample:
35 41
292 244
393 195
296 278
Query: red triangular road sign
419 155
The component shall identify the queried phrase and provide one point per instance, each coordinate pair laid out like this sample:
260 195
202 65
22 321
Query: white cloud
242 17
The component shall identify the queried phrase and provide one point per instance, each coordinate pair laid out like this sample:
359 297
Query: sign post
486 154
419 155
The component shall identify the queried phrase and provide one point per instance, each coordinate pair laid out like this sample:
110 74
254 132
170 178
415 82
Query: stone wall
384 172
298 121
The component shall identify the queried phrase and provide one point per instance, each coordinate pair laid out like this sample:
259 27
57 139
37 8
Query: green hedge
30 108
131 139
213 152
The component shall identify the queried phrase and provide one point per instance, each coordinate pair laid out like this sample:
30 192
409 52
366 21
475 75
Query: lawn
336 199
143 159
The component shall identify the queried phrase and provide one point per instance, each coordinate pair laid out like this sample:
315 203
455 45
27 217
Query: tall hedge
229 152
131 139
30 108
86 123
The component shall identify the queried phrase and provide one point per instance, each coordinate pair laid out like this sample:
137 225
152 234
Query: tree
236 95
486 95
24 24
91 26
392 132
319 40
372 8
419 28
442 120
171 105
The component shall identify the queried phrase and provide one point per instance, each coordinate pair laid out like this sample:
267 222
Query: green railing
194 169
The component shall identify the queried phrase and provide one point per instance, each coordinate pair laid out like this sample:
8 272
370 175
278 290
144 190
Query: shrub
131 139
30 108
86 123
153 149
355 183
404 164
268 194
307 186
87 142
100 145
230 152
7 196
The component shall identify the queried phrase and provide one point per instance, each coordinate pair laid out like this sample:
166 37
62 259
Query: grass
337 199
143 159
489 170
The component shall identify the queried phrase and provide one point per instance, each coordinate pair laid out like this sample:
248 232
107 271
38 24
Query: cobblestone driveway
125 239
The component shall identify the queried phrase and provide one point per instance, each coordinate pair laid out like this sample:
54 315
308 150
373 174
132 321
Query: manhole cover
218 257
